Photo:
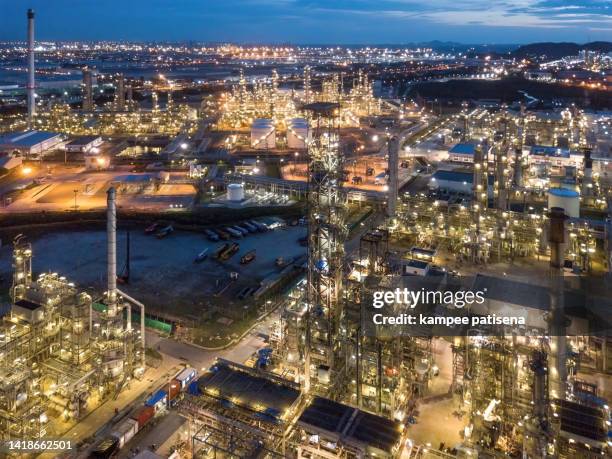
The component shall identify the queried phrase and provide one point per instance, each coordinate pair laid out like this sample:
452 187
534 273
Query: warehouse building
30 144
454 182
84 144
462 152
554 156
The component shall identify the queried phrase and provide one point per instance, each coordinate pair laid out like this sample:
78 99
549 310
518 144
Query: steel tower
327 233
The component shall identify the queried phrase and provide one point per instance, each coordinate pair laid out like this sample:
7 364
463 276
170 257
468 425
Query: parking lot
163 273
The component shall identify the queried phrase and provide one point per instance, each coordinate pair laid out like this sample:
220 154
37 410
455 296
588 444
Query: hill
557 50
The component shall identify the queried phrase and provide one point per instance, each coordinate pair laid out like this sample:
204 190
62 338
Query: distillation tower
327 232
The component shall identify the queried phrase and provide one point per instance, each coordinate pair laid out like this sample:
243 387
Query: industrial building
83 144
30 144
462 153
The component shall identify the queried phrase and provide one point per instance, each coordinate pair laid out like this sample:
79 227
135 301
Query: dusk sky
312 21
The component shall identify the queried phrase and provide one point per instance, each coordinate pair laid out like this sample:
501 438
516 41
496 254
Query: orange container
143 415
174 389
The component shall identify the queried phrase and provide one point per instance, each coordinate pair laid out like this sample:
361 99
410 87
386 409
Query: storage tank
235 192
263 134
297 134
566 199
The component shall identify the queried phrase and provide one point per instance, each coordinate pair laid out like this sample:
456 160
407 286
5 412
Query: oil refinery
299 252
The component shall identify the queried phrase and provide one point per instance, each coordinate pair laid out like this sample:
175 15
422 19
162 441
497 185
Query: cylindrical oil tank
263 134
297 134
566 199
235 192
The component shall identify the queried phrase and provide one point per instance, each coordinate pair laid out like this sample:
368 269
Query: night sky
312 21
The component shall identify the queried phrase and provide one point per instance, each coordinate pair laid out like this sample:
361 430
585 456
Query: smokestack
120 93
500 176
518 167
111 250
87 90
31 84
480 182
130 95
393 164
556 237
557 321
587 179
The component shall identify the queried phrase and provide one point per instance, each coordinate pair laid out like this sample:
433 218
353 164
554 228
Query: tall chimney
556 237
87 90
518 167
393 164
587 179
557 320
111 250
31 84
130 96
120 92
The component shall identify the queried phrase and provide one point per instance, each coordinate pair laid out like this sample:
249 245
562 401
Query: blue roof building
462 152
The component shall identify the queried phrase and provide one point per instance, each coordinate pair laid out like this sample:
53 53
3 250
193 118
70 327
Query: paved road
202 359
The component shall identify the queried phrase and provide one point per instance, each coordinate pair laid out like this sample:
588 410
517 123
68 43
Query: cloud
505 13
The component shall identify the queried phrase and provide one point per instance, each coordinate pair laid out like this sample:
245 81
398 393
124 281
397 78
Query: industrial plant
65 353
302 257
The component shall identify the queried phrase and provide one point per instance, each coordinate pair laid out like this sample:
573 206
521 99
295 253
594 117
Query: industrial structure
518 390
276 116
63 353
31 83
508 204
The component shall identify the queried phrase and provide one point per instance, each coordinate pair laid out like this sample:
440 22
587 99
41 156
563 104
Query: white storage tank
263 134
297 134
235 192
566 199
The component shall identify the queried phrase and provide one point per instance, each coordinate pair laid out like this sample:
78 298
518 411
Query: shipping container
174 389
193 388
125 431
186 376
106 448
143 415
158 400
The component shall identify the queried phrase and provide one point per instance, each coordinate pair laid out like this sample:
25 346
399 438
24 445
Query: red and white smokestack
31 85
